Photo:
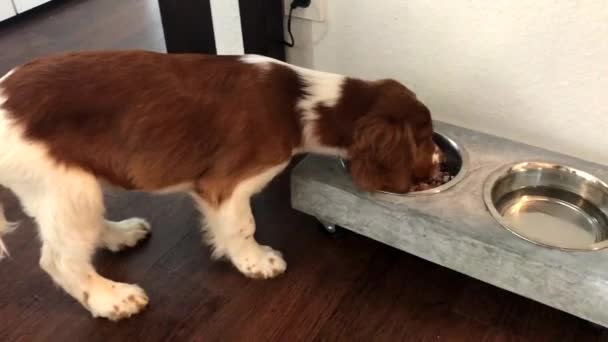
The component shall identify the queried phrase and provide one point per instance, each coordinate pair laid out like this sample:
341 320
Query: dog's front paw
259 262
115 301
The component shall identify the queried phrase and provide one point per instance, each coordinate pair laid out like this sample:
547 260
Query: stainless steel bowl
457 163
550 205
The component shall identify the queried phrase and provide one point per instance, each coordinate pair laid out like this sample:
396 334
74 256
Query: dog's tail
5 228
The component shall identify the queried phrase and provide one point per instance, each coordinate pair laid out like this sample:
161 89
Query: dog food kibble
443 177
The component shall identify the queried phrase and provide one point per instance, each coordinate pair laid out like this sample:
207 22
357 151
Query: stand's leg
329 227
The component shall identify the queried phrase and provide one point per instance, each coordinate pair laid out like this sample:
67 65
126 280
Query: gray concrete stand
455 230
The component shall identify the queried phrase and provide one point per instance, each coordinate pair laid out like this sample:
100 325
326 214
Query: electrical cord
294 4
291 8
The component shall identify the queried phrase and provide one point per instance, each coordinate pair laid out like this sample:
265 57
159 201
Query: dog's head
393 143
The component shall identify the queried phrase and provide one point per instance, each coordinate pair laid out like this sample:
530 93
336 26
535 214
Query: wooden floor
348 288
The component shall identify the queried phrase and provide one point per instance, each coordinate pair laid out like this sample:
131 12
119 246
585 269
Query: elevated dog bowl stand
454 228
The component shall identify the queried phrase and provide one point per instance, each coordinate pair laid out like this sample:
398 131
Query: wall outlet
315 12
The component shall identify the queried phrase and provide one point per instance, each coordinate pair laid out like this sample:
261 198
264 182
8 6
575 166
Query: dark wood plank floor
349 288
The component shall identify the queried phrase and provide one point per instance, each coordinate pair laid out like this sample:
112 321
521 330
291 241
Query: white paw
127 233
115 301
259 262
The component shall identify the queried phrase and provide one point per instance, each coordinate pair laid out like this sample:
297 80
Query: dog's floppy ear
382 153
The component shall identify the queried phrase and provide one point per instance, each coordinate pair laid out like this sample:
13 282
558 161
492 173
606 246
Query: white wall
534 71
25 5
227 27
7 9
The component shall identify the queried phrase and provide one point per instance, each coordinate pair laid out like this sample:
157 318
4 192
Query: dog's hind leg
67 204
118 235
69 212
5 228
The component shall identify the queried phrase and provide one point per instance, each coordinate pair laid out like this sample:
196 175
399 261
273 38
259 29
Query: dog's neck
330 111
327 108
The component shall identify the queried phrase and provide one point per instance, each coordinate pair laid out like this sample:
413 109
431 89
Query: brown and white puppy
219 128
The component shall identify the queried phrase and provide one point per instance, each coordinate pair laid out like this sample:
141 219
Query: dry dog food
443 177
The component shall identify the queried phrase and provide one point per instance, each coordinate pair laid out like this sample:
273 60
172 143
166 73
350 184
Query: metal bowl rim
508 169
464 168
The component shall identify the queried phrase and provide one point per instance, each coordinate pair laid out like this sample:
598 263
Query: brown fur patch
145 120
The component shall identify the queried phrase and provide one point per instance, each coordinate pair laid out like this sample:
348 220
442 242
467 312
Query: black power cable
294 4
